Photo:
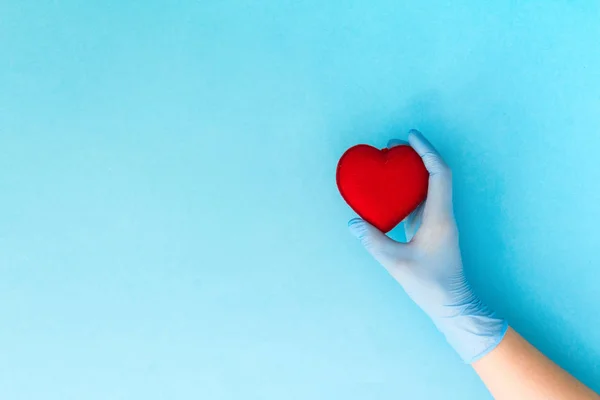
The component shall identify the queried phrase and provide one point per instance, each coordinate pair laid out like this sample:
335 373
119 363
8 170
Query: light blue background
169 222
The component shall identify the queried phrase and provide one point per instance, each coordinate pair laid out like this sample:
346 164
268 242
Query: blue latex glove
429 265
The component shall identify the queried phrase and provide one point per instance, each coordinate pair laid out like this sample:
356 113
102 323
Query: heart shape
382 186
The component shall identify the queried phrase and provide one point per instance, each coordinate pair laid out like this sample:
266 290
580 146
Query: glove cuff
473 330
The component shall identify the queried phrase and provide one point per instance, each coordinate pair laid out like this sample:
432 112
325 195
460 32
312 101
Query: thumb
384 249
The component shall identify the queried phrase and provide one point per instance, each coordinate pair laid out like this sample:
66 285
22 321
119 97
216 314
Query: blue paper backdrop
169 222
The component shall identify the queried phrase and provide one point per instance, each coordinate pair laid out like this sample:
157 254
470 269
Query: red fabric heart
382 186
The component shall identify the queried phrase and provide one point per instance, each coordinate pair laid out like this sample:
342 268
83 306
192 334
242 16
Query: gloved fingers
413 222
431 158
397 142
384 249
439 194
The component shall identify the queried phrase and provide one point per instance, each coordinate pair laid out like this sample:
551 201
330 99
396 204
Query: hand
429 265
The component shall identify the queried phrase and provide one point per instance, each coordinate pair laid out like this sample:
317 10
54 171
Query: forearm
515 370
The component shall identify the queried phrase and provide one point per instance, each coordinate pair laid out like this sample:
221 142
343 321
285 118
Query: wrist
471 328
472 337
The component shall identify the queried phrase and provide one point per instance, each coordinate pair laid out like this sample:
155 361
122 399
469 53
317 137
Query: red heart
382 186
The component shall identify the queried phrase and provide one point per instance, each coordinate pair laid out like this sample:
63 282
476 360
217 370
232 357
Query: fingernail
354 221
356 228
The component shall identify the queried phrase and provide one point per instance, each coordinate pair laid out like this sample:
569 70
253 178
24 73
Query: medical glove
429 265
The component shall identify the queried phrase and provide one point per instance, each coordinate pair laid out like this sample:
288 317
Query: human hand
429 266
